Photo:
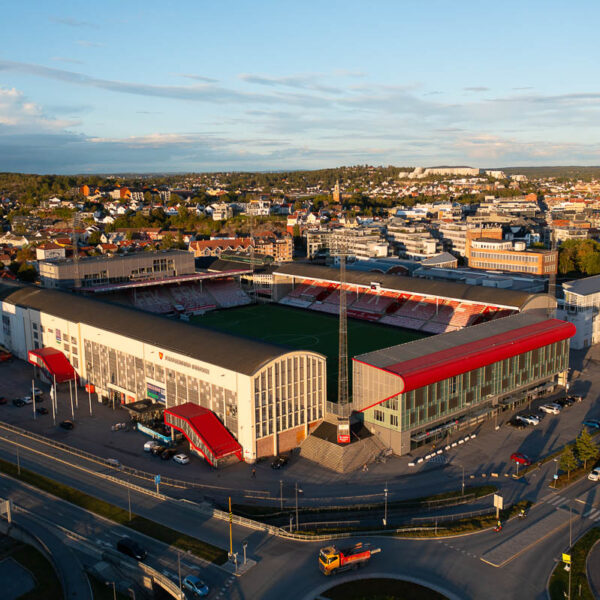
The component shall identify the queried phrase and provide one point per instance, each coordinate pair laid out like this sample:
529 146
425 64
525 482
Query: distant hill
572 172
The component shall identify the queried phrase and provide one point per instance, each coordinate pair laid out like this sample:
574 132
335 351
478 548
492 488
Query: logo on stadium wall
160 355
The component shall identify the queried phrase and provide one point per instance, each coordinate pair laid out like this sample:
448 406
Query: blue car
196 585
592 423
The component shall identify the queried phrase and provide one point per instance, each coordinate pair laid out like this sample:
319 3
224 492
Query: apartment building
281 249
581 306
358 242
412 240
504 255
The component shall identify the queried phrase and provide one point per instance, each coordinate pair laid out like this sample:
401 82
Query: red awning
53 361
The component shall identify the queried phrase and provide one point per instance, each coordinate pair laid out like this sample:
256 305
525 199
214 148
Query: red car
520 458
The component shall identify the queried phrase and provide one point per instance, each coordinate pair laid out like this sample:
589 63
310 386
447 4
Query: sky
127 86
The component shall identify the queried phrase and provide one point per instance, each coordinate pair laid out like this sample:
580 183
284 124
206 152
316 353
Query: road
288 569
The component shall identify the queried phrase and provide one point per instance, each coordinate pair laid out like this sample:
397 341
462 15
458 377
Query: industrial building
424 390
263 398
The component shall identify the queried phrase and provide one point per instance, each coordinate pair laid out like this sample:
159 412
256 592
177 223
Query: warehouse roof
423 287
432 359
228 351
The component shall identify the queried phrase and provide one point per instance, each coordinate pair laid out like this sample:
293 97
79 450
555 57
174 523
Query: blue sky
241 85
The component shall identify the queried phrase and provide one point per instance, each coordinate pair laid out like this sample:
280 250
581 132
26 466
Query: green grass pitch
306 330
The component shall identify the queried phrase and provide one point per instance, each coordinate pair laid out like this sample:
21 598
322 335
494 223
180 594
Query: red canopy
53 361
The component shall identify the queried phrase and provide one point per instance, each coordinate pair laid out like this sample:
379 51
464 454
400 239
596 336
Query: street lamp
114 588
244 545
281 494
385 505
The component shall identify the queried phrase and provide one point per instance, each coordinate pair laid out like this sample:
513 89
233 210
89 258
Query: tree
568 461
167 242
586 447
94 238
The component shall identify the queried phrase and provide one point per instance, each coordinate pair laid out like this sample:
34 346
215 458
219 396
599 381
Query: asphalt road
289 569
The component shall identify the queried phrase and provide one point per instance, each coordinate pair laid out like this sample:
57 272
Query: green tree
94 238
27 272
167 242
586 447
568 460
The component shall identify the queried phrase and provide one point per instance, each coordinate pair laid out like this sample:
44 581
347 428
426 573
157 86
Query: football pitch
306 330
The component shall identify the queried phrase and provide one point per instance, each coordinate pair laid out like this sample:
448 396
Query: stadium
264 376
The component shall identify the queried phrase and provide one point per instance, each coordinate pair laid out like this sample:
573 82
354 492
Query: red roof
208 427
54 361
422 371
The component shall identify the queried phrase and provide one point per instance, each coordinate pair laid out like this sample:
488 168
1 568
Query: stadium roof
235 353
424 287
432 359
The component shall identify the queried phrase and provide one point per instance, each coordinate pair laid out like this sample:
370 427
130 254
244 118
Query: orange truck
332 560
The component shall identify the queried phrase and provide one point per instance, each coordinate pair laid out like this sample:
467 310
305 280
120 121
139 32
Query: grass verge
118 515
559 580
47 583
439 529
381 589
471 493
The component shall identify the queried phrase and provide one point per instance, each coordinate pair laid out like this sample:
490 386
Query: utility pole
463 479
385 509
343 344
570 546
33 396
281 494
71 396
179 566
18 462
297 506
230 530
129 500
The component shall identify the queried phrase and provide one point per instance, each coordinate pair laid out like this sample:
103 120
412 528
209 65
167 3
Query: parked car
131 548
592 423
182 459
565 402
113 462
595 474
517 423
551 408
157 450
279 462
529 419
18 402
41 410
576 398
27 400
67 424
168 454
195 585
149 445
520 458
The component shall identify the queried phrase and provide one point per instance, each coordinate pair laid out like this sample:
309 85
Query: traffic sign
157 479
566 559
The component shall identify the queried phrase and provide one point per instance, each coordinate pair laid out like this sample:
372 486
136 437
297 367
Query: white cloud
20 115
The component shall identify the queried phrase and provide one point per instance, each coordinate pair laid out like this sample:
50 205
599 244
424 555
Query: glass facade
440 400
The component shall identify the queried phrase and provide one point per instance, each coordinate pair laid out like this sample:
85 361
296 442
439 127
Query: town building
412 240
504 255
49 251
356 242
581 306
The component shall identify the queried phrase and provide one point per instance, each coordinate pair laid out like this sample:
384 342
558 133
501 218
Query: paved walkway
70 570
593 570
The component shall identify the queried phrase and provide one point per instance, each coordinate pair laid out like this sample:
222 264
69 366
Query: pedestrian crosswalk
557 500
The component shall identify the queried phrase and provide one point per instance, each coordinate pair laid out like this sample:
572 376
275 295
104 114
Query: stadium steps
321 447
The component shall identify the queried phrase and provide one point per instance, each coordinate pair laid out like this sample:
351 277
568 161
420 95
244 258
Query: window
379 415
394 420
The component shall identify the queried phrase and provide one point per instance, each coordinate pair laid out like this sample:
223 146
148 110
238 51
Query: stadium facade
424 390
267 396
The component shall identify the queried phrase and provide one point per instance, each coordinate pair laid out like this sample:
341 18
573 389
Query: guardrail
169 481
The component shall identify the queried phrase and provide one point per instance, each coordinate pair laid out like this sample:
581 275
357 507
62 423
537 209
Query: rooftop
583 287
228 351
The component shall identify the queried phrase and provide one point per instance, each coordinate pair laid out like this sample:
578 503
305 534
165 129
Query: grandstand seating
226 293
192 298
410 311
